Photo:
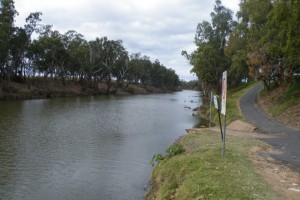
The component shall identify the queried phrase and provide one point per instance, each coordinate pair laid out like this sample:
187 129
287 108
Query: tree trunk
108 82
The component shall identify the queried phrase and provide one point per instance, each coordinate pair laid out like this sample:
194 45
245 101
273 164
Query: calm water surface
87 147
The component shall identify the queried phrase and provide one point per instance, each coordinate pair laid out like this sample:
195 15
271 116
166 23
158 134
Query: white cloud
159 29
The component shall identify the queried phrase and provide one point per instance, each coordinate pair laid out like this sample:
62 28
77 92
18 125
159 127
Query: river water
87 147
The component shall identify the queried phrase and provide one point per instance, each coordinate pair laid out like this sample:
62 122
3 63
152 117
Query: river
87 147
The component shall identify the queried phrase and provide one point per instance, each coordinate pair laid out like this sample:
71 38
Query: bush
175 149
156 159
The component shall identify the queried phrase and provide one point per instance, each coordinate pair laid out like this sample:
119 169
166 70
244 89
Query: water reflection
87 147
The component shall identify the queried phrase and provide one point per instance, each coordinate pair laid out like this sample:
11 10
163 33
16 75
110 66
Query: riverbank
46 88
202 173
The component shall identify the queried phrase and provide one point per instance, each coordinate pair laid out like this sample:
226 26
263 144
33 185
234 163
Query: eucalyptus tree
121 69
105 57
171 78
210 60
49 54
146 68
157 74
77 48
255 13
20 42
7 14
113 53
135 72
282 39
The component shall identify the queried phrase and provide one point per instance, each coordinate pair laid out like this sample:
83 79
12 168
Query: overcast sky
160 29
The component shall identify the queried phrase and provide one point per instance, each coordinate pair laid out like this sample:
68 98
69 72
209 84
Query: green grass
232 105
202 173
288 99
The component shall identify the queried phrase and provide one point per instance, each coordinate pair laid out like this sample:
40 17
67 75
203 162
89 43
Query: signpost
211 98
224 92
217 106
216 102
223 109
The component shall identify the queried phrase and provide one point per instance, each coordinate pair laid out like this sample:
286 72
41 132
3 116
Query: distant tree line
190 85
263 43
69 56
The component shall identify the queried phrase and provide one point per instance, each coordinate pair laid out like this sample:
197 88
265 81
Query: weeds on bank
173 150
286 100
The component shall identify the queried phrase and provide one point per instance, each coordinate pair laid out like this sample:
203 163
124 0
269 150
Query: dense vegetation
262 43
69 56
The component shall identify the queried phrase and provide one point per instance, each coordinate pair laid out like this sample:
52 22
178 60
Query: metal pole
224 134
210 109
219 114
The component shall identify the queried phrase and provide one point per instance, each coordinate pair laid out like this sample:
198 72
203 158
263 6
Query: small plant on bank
156 159
175 149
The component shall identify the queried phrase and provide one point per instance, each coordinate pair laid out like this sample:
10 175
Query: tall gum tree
210 60
7 15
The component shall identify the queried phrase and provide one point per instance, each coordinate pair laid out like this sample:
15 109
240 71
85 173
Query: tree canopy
263 43
70 56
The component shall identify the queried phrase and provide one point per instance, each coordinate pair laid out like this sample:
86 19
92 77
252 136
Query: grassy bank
233 97
200 172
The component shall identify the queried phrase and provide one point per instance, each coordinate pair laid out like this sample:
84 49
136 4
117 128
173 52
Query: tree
69 56
210 60
20 42
49 54
254 16
7 14
105 56
77 48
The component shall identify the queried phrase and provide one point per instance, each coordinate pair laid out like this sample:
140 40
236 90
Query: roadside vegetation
283 103
263 43
289 96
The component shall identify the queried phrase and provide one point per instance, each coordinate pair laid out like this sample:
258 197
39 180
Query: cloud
159 29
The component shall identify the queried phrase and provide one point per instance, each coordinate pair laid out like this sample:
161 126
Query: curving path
287 139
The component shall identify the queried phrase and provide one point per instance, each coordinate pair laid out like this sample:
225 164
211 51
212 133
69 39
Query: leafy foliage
263 43
156 159
175 149
70 56
210 60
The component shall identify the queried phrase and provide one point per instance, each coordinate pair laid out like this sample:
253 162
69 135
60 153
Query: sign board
224 93
216 101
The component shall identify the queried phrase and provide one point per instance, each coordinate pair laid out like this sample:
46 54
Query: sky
160 29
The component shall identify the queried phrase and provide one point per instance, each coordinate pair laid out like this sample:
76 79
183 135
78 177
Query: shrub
175 149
